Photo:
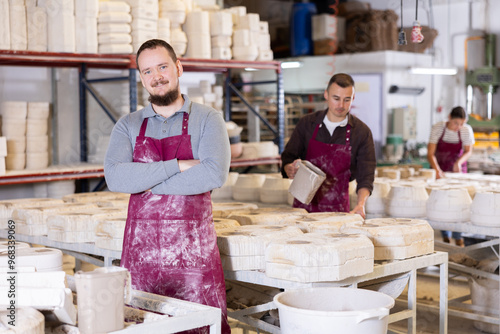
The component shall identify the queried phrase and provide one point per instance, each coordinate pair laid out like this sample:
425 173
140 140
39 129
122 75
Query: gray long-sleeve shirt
209 141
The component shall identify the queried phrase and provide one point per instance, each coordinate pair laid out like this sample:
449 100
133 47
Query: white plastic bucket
100 295
333 311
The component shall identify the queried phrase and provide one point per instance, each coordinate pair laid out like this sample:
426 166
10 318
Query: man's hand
292 168
186 164
360 210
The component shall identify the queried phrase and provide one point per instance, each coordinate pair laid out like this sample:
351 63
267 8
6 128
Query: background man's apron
335 161
448 153
170 245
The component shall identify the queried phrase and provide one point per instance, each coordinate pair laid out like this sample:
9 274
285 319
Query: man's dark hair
342 79
458 112
153 44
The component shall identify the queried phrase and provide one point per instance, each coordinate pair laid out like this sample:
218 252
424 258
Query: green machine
486 78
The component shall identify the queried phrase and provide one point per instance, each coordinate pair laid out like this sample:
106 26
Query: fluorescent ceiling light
250 69
291 64
434 70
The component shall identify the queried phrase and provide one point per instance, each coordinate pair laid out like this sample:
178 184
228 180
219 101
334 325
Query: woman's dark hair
458 112
153 44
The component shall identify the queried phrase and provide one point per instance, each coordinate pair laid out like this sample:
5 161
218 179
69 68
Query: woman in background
450 145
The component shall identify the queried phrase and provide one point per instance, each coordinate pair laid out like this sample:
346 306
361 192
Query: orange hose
465 48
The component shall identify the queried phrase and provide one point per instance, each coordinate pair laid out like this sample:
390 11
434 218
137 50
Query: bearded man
169 156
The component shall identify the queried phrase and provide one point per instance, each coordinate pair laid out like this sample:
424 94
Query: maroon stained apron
335 161
170 245
448 153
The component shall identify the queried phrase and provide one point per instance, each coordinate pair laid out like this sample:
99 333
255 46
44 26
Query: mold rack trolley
457 306
381 269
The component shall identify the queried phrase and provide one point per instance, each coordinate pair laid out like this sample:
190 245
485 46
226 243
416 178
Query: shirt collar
322 114
149 112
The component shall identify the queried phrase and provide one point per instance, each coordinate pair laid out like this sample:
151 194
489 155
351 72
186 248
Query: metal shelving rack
83 62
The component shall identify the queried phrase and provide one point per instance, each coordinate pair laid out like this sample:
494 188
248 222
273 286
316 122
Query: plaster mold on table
92 197
224 223
4 245
375 203
397 238
485 208
42 259
316 257
247 187
28 321
256 150
226 191
391 173
266 216
324 222
224 209
406 172
406 200
113 203
109 233
275 190
427 173
449 204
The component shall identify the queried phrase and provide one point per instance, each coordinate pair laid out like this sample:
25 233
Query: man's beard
166 99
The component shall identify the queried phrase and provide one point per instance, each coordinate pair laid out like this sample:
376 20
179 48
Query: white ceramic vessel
406 200
485 208
449 204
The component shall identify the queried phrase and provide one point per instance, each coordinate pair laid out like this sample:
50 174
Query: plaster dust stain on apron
448 153
170 245
335 161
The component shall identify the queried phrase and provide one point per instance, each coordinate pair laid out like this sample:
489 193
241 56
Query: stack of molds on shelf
18 25
144 23
113 26
245 35
37 138
86 12
197 29
4 25
243 247
37 21
14 129
175 11
221 30
61 25
109 233
265 52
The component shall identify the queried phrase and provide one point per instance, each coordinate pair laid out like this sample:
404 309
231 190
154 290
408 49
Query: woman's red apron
448 153
170 245
335 161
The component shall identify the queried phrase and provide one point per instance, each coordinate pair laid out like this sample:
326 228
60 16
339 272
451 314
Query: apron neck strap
144 125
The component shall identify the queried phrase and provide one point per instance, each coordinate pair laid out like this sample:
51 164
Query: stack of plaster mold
37 138
175 11
221 30
18 25
207 93
246 36
267 216
113 203
264 44
37 27
144 23
353 196
14 129
224 209
449 204
221 224
397 238
4 25
428 174
40 283
32 220
256 150
374 205
113 26
61 25
247 187
3 155
8 206
323 222
86 13
4 245
164 29
197 29
274 190
243 247
485 208
319 257
109 233
406 199
226 191
76 227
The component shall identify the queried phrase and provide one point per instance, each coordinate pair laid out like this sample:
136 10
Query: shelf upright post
281 108
83 119
227 92
133 89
